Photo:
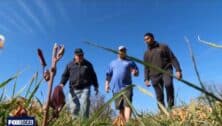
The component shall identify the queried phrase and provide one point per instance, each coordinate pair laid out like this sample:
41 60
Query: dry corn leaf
119 121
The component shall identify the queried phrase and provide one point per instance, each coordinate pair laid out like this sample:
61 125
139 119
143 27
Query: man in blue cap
81 76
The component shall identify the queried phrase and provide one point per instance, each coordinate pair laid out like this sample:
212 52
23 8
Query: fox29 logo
20 121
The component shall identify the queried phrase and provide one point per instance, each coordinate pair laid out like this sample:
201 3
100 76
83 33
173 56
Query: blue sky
28 25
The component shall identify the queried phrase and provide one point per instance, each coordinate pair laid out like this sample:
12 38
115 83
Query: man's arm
107 86
134 69
109 74
65 77
175 63
146 70
93 77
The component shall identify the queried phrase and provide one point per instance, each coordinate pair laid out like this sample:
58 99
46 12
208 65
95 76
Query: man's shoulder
163 45
117 62
146 51
128 60
87 62
71 63
114 61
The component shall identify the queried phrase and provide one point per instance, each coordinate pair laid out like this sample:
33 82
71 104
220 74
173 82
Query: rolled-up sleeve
109 72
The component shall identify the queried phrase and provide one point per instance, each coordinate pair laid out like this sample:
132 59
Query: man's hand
107 87
178 75
147 83
96 89
134 72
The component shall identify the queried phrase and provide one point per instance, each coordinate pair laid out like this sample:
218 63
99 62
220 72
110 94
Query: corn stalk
57 54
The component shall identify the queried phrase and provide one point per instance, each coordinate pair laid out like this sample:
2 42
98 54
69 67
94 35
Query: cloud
48 16
25 26
32 16
10 20
62 11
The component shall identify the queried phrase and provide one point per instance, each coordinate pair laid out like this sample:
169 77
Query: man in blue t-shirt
119 76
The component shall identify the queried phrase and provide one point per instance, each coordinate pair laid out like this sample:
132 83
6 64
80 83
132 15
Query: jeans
79 103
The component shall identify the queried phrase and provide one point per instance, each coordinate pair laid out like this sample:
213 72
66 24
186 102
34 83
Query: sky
28 25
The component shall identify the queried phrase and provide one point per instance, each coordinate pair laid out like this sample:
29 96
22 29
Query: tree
96 103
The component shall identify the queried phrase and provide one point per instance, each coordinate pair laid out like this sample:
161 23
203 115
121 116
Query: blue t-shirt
119 73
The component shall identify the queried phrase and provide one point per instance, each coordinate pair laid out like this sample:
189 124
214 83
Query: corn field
205 111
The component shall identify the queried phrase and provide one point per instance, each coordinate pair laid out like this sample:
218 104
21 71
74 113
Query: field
204 111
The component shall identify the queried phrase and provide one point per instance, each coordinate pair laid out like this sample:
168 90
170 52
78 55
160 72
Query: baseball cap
122 48
78 51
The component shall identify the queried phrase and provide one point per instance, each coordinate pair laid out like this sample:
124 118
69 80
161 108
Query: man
119 76
81 75
160 55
